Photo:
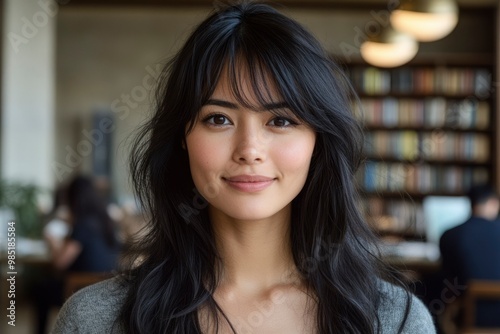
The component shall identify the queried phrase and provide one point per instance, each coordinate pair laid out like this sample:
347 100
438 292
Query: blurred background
77 81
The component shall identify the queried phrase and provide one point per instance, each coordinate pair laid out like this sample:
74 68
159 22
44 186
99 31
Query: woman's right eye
216 119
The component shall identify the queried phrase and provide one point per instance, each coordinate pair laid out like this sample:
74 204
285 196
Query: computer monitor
442 213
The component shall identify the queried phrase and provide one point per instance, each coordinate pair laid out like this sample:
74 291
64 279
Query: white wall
28 94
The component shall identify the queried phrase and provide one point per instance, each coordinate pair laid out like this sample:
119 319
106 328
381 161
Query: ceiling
294 3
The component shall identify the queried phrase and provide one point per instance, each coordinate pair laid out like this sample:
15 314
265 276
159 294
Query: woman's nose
250 146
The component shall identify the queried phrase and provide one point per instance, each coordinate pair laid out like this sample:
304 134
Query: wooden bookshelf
429 130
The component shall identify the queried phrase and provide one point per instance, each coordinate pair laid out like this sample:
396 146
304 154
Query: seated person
90 247
472 250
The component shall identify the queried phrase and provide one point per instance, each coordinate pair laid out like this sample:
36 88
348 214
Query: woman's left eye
281 122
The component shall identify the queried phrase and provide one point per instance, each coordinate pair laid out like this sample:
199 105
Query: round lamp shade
426 20
390 49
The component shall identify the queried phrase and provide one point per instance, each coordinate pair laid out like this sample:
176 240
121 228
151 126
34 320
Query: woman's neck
256 255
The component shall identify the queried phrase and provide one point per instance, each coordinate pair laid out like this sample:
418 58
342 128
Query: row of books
428 112
423 80
401 216
437 146
419 178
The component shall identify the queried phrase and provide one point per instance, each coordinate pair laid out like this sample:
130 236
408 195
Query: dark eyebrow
221 103
277 105
230 105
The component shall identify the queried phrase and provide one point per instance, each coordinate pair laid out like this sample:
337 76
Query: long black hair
331 243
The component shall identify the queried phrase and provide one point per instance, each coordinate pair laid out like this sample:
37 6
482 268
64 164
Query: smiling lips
249 183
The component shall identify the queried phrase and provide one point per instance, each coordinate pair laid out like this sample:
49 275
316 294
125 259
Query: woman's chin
250 212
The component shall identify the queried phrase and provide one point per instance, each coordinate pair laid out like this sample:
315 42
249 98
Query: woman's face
248 164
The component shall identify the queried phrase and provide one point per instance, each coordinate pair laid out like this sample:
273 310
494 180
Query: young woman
246 170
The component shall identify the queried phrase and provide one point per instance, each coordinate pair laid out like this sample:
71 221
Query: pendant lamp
426 20
390 48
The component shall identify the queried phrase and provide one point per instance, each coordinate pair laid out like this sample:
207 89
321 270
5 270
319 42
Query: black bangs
250 80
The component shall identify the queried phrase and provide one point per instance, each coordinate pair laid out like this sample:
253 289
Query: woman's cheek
296 155
205 158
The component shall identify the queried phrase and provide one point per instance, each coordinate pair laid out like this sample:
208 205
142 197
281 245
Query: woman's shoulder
392 309
93 309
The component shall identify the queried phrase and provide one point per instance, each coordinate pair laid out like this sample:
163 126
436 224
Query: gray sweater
94 309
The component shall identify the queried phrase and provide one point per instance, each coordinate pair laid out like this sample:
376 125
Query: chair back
478 290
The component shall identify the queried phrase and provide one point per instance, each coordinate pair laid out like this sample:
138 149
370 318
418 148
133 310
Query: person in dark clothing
472 249
91 246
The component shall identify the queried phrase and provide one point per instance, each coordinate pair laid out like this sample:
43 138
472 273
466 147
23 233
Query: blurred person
472 250
58 226
91 246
